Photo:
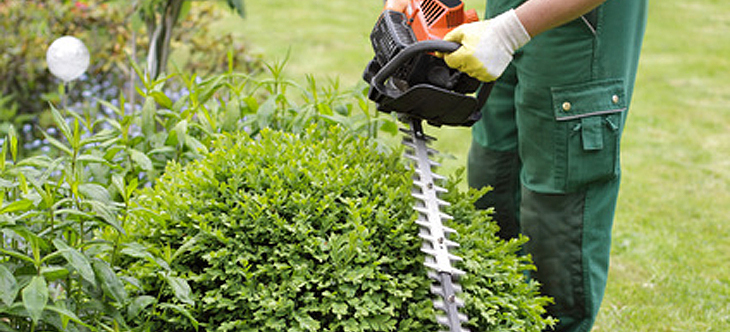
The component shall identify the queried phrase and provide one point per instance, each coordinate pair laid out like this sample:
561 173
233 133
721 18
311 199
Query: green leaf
181 289
52 273
3 155
231 115
177 134
180 103
195 145
17 255
211 87
35 297
162 99
148 117
118 182
141 160
61 124
20 205
339 309
13 138
106 213
95 192
78 260
67 315
58 144
306 322
182 311
139 304
8 286
388 126
111 106
265 113
92 159
110 282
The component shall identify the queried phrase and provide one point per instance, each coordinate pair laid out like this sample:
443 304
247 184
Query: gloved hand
487 47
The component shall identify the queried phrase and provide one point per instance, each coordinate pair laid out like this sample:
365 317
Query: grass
670 265
669 268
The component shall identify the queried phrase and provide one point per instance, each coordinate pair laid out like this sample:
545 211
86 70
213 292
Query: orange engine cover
433 19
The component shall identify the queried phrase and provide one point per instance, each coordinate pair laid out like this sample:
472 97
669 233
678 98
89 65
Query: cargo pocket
589 120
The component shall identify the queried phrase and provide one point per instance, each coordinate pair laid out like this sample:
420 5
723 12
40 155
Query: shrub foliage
314 232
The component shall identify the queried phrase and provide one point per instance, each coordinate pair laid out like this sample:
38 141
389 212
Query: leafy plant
63 214
313 232
55 274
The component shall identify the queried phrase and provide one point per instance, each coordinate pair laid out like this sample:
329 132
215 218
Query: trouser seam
587 304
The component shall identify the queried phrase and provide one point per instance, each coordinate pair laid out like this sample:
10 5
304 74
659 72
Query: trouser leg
500 171
571 88
493 159
570 246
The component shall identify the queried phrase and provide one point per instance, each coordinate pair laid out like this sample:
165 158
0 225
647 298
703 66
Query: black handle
406 54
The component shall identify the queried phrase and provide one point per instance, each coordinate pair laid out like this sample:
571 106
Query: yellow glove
487 46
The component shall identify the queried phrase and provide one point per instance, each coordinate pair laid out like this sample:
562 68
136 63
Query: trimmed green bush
311 232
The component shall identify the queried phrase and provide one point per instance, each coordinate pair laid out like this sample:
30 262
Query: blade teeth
443 203
445 321
435 243
419 196
448 230
430 251
455 273
441 305
434 176
430 238
421 209
421 184
438 290
455 258
422 197
437 177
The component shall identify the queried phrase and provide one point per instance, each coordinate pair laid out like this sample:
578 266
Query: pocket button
567 106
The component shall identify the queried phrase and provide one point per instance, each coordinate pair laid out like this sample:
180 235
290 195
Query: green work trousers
548 143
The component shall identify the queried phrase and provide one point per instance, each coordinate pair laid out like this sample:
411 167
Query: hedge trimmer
407 79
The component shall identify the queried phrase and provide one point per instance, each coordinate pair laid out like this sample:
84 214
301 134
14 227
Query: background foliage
116 37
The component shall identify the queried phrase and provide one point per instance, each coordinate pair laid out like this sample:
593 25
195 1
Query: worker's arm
538 16
487 47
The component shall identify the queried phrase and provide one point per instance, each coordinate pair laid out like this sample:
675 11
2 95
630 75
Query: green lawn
671 258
